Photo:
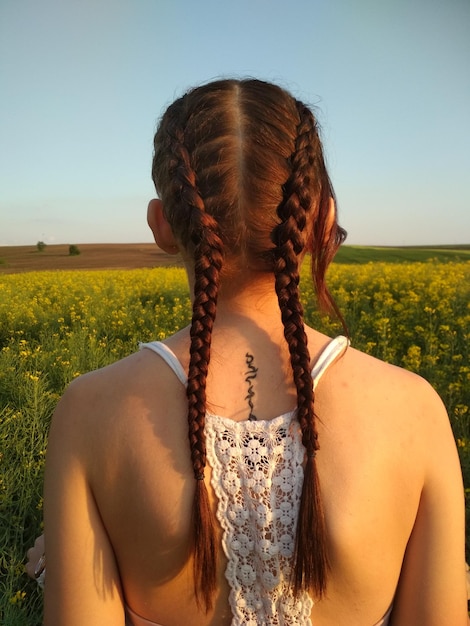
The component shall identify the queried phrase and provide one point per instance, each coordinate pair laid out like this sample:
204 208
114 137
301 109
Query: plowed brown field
92 256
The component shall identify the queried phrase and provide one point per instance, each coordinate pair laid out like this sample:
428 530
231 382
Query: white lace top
257 475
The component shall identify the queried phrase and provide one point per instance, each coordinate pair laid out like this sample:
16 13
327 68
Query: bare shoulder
380 377
398 416
101 401
396 397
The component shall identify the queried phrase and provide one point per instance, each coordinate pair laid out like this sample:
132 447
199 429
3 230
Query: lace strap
169 357
333 350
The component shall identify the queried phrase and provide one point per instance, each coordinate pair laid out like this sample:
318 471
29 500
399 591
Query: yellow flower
18 598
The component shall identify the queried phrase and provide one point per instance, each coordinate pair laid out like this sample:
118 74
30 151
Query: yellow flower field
55 326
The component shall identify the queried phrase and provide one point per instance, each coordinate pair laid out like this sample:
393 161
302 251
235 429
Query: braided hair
240 170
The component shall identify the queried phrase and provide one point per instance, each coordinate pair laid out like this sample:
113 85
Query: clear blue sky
83 83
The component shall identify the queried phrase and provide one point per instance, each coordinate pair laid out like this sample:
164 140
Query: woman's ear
160 227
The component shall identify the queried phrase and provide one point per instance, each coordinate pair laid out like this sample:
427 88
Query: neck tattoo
250 375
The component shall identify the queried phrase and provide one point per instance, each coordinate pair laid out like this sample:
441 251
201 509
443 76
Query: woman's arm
83 586
432 587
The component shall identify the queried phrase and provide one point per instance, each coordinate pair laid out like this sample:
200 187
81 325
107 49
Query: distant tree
74 250
40 246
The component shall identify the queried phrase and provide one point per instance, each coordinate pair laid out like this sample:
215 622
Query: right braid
208 260
310 558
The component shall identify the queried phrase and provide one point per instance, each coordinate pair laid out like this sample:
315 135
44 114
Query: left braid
208 259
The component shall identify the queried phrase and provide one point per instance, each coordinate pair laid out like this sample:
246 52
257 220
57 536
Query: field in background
15 259
367 254
55 326
92 256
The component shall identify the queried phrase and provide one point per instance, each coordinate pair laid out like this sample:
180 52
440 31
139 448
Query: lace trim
257 475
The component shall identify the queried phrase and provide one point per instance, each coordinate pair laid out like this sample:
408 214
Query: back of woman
250 470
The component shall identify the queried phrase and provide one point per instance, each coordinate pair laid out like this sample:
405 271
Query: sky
84 82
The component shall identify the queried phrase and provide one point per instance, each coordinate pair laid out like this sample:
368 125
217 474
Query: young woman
250 470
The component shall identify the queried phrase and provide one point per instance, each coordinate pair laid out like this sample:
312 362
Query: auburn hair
240 170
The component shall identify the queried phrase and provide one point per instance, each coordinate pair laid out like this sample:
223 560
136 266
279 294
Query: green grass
370 254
